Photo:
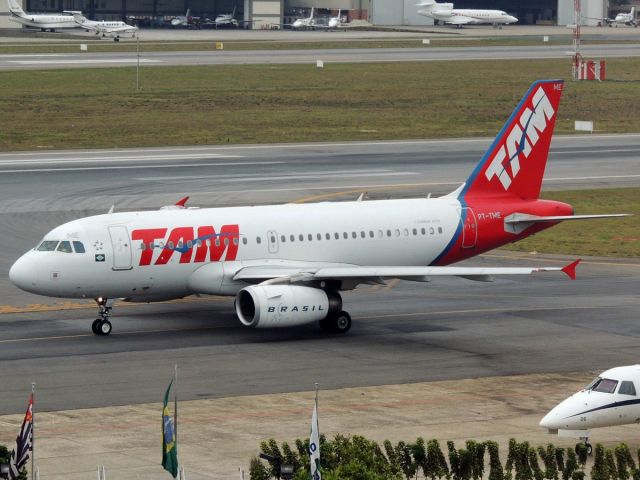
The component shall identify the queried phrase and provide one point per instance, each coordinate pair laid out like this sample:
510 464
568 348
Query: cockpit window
48 246
605 385
627 388
592 383
78 246
65 247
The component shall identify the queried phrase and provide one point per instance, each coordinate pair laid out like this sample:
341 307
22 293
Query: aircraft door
272 240
469 228
121 247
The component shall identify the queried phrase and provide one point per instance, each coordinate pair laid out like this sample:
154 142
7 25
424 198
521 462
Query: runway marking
115 159
312 175
137 167
84 61
488 310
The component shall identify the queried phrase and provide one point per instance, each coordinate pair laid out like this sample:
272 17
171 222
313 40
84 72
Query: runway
402 332
355 55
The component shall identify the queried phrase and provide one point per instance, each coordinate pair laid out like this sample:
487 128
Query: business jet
625 19
229 20
182 20
336 22
611 399
445 12
114 29
304 23
41 20
286 264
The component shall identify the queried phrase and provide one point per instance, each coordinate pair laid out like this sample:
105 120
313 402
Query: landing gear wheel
95 326
338 323
105 327
589 449
342 322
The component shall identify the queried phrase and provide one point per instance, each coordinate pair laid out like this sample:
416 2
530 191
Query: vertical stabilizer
515 162
16 9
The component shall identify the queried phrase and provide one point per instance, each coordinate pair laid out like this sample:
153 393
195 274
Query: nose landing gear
102 325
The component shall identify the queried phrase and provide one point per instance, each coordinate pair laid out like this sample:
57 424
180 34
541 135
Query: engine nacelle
272 306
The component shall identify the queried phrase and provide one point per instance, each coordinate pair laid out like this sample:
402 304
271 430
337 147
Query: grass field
617 237
85 108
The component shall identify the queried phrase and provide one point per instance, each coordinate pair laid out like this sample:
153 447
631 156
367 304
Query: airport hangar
268 13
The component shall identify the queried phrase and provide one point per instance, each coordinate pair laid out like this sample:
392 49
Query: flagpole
175 405
33 432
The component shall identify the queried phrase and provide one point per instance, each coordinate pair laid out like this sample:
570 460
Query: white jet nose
23 273
550 420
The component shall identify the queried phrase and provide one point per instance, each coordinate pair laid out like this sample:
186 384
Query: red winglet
182 202
570 269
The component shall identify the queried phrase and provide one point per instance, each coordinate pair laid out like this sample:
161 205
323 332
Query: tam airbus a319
287 264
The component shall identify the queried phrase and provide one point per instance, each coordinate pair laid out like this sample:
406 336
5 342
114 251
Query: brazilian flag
169 447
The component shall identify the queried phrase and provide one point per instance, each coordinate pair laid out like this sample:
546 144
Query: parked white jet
609 400
229 19
181 20
40 20
445 12
336 22
625 19
304 23
286 264
114 29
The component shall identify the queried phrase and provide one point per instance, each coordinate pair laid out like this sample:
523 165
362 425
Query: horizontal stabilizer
518 222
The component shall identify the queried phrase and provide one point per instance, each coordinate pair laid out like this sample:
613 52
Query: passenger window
627 388
310 237
319 236
354 234
380 234
439 229
79 247
431 230
345 235
397 232
189 244
65 247
362 234
199 242
327 236
283 238
292 238
244 240
388 233
216 242
236 241
415 232
180 244
371 233
259 240
301 237
337 236
143 246
226 242
48 246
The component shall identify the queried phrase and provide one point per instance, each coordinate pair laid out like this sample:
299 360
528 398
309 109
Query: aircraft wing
274 274
460 20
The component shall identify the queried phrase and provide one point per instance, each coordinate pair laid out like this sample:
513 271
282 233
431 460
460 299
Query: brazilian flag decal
169 447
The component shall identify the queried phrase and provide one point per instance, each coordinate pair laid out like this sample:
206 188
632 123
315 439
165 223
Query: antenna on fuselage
111 209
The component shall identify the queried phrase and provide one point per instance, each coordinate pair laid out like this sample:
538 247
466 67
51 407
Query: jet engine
269 306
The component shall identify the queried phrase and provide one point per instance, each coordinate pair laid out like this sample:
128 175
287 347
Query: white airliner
114 29
609 400
304 23
41 20
445 12
336 22
286 264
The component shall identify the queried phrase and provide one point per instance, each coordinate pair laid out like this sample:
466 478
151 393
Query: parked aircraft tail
79 18
16 9
514 164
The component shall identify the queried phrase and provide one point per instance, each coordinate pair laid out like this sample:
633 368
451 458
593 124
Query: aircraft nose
23 274
550 420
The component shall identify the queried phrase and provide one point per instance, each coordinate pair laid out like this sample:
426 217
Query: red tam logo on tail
514 164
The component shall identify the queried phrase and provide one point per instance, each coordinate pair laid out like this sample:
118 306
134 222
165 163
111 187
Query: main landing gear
102 325
337 323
